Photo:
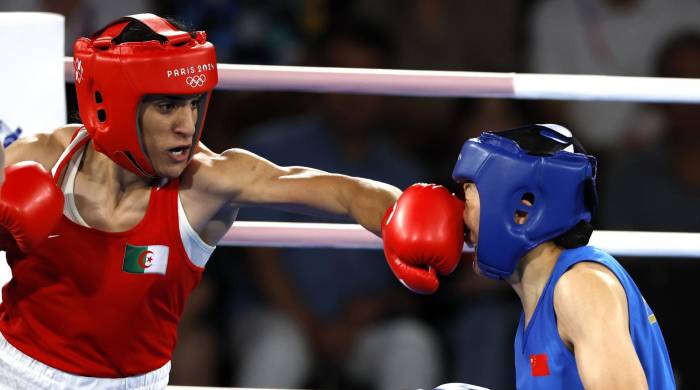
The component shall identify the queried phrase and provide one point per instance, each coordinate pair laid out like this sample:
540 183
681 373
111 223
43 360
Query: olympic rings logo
196 81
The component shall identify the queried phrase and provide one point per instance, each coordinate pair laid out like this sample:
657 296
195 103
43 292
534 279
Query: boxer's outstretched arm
593 319
246 178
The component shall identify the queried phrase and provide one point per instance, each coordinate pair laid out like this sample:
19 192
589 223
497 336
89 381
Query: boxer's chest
108 209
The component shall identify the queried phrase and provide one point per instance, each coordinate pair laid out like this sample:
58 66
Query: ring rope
351 236
451 84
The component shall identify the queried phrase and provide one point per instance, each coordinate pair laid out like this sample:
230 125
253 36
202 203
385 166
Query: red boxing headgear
112 78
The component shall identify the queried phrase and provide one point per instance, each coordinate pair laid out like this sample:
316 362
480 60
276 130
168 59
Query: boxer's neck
108 197
100 168
532 274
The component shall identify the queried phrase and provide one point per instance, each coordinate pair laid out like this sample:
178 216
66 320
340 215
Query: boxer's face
471 215
167 127
472 210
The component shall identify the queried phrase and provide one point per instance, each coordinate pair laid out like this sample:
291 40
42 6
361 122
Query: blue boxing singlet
542 361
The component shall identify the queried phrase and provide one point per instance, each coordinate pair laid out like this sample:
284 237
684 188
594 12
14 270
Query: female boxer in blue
530 193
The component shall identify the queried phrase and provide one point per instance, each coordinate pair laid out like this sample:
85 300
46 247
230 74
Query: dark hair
688 39
533 141
136 31
575 237
540 140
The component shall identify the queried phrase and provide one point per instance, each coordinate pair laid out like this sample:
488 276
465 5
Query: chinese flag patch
538 364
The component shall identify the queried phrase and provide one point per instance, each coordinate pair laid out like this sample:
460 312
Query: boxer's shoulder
208 186
63 135
220 172
44 148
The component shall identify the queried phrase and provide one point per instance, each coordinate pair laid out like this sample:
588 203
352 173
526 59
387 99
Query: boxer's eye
166 106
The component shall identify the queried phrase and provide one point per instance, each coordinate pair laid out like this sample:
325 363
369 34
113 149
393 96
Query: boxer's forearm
368 201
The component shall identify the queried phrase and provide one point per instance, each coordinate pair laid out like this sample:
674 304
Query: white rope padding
348 236
451 84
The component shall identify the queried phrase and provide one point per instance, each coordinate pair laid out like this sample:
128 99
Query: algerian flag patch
150 259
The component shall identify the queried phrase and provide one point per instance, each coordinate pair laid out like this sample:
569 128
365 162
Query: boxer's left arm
593 321
246 178
30 206
28 194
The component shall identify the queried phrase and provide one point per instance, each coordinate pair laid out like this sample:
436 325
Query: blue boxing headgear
542 164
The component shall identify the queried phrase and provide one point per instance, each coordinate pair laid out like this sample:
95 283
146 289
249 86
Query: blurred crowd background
337 319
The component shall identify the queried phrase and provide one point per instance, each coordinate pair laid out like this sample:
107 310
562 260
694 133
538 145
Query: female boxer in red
105 249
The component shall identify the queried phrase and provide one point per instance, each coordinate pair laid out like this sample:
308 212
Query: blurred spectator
658 189
444 35
195 359
469 118
450 34
83 17
252 32
605 37
335 318
664 175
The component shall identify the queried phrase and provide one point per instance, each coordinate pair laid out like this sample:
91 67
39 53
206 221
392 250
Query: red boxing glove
30 206
423 232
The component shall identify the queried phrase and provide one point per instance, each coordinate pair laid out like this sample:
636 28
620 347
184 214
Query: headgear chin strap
112 78
558 181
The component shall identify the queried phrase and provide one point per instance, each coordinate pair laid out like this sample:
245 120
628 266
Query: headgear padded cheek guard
112 78
558 184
